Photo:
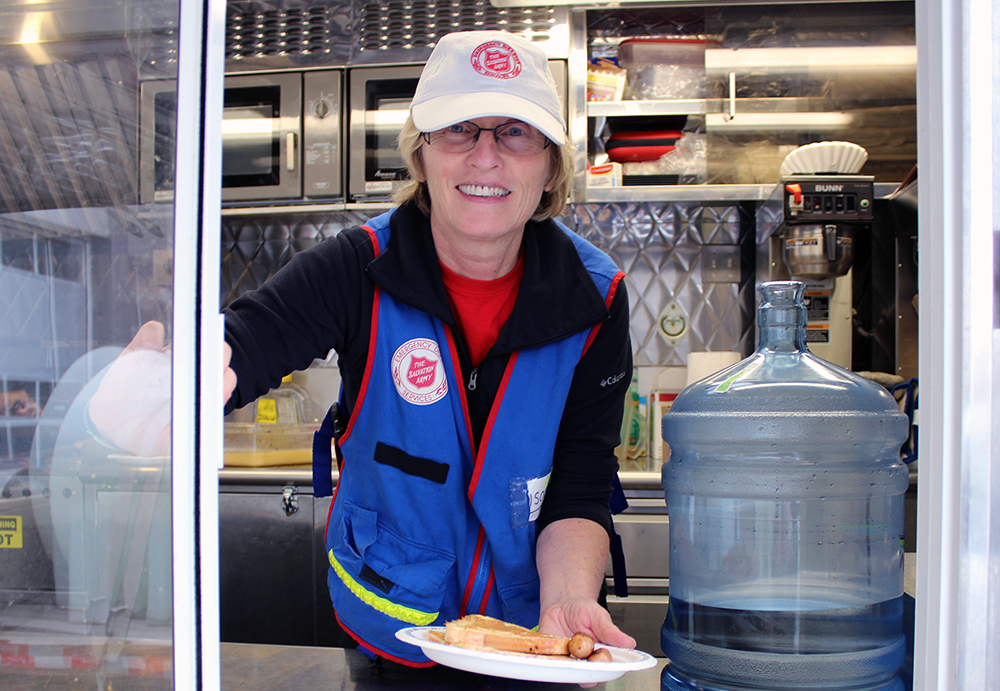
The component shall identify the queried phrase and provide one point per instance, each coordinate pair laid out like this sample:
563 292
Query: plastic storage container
641 146
276 429
785 493
252 444
671 51
663 68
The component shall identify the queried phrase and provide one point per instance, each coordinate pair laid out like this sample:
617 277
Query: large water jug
785 490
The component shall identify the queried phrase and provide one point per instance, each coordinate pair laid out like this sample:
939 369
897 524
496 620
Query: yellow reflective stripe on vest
391 609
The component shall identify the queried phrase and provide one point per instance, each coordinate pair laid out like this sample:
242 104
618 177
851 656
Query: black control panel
837 198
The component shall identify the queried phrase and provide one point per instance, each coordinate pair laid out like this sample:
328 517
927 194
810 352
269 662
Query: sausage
581 645
600 655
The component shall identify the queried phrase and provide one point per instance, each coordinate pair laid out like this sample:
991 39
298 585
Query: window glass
85 523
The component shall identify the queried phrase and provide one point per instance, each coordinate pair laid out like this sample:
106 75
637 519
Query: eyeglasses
517 138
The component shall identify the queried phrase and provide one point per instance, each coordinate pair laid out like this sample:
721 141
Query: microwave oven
281 137
379 103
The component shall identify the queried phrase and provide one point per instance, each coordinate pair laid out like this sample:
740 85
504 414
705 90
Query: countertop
253 667
301 475
247 667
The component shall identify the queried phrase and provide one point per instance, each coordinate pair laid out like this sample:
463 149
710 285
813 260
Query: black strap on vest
618 504
323 445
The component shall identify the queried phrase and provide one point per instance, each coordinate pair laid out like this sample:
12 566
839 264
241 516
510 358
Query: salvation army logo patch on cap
418 373
496 59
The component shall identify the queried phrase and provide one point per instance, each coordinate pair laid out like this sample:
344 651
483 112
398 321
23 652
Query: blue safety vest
424 528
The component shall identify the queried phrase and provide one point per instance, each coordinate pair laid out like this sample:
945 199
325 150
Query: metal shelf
327 207
658 193
685 106
697 193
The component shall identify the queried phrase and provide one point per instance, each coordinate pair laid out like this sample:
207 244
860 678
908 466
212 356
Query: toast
486 633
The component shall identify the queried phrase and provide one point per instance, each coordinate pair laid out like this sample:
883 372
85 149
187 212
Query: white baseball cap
476 74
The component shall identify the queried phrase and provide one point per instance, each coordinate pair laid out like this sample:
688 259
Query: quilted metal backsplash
255 247
660 246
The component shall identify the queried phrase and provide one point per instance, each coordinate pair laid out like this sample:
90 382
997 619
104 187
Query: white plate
524 667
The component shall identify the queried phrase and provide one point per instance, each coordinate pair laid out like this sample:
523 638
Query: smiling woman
473 333
553 198
481 199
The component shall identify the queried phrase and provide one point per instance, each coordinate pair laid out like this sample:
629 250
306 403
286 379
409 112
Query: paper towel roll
702 364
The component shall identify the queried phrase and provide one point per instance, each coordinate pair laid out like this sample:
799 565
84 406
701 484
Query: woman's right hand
131 408
228 374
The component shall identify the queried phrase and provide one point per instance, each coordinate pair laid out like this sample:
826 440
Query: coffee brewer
806 230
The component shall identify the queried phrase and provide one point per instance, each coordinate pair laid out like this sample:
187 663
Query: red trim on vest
387 656
329 512
611 296
489 591
463 608
364 382
485 442
372 337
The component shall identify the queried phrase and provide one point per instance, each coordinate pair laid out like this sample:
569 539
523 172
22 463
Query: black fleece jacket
322 300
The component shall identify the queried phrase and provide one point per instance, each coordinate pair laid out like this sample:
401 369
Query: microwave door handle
290 153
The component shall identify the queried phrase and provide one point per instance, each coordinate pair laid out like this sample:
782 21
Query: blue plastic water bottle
785 490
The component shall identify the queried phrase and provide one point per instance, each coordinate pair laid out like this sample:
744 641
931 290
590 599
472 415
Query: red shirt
482 307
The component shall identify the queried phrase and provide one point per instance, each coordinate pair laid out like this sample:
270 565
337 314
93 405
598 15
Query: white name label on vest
536 495
526 497
418 372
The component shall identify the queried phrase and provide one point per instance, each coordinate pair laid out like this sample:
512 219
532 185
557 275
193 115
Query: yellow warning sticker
267 410
10 532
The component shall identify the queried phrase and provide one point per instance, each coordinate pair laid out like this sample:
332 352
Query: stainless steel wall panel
769 217
641 616
266 569
263 551
659 246
255 247
646 542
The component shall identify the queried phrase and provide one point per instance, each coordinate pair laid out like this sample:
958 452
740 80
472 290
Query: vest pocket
401 578
520 603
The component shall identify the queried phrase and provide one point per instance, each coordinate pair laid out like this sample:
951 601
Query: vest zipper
482 581
472 378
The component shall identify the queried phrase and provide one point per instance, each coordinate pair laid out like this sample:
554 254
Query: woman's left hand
572 555
583 615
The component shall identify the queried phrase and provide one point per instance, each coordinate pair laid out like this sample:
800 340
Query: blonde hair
551 204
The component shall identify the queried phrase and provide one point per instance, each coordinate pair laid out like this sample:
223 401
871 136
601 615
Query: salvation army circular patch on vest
418 372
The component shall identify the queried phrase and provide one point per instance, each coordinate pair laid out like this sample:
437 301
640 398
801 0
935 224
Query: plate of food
489 646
